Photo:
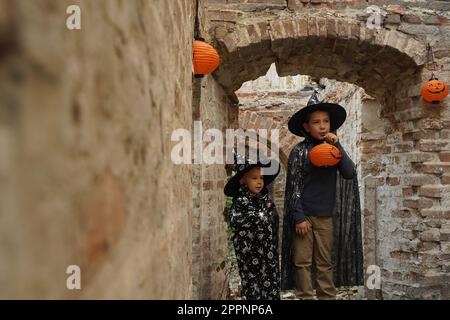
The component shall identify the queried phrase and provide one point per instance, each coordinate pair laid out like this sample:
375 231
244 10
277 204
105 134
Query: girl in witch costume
254 221
322 218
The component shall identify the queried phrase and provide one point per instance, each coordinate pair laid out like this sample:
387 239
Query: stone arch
407 190
342 49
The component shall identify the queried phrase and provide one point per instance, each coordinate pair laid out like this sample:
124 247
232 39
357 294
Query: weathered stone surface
392 18
93 179
418 179
411 18
418 29
95 118
432 234
436 167
434 191
434 145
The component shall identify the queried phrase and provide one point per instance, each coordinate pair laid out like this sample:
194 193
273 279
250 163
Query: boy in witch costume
254 221
322 218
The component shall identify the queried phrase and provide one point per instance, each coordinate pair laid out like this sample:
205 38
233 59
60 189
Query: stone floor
345 293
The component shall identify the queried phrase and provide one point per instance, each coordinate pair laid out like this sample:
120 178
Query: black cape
347 250
254 220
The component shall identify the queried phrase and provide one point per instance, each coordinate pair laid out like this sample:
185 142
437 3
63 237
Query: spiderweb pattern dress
254 221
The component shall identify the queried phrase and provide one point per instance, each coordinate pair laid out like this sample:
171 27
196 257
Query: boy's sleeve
346 165
299 215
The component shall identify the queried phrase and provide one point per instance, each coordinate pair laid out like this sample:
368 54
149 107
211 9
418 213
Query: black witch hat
337 115
244 165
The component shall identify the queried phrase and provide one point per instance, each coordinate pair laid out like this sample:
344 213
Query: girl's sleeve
239 217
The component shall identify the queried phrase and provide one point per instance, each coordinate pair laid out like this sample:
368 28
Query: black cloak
254 220
347 249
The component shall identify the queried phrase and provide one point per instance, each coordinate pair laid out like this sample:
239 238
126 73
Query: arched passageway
269 101
380 61
395 151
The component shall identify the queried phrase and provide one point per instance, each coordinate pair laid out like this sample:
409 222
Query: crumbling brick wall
404 153
86 175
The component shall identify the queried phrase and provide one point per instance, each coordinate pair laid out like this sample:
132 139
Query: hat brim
232 187
337 117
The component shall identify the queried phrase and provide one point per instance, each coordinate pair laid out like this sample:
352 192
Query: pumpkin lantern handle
433 77
434 90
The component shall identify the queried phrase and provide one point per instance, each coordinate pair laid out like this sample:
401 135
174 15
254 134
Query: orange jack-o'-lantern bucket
324 155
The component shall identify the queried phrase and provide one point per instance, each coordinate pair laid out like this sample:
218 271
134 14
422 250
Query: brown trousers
318 242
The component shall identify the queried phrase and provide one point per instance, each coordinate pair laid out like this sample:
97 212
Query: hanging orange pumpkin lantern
206 58
434 91
324 155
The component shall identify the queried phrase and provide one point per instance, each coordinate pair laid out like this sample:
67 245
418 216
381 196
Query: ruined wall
260 5
85 171
212 113
404 152
210 245
86 118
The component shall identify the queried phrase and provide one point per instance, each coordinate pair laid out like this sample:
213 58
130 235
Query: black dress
254 221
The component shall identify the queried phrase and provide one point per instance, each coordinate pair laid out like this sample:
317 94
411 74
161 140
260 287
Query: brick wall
210 246
403 141
87 179
86 174
212 110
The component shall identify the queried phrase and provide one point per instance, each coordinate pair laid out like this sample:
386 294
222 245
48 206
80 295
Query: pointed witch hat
244 165
337 115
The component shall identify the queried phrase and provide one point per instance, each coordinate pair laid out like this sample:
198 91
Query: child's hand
302 228
331 138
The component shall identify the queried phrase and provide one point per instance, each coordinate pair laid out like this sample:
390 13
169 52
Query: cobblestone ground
350 293
234 284
344 293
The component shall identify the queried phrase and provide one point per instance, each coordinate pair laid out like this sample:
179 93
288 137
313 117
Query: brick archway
342 49
407 169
